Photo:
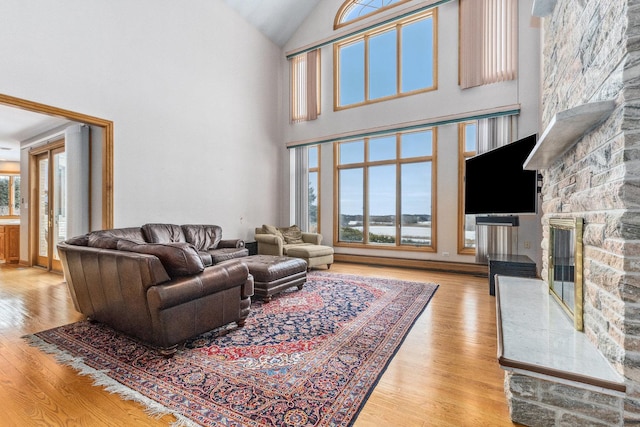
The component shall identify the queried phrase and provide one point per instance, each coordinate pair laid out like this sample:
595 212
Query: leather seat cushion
224 254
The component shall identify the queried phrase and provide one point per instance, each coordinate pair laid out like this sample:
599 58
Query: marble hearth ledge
564 130
536 336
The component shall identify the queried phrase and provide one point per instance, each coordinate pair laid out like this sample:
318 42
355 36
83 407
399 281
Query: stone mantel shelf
564 130
542 8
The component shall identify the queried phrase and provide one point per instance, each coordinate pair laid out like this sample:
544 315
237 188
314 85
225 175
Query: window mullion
11 195
398 191
365 193
366 69
398 59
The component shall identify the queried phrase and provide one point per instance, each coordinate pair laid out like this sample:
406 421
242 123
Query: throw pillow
178 258
292 235
270 229
102 240
79 240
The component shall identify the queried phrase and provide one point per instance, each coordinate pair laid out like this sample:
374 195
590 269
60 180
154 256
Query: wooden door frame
107 145
48 150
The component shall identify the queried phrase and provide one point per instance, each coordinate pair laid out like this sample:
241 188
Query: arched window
354 10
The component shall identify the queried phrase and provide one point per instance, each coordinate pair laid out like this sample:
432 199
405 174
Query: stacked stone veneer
538 402
591 52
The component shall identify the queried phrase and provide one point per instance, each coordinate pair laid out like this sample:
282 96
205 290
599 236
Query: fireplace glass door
565 266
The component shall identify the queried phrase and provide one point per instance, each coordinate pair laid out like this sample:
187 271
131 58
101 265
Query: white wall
448 99
192 89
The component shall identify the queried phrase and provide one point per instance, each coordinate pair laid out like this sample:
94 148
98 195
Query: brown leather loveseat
160 283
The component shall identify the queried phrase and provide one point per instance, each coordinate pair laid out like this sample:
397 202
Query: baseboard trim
447 266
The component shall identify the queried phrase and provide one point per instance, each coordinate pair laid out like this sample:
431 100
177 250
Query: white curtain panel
304 86
488 41
494 132
77 148
490 239
302 187
312 84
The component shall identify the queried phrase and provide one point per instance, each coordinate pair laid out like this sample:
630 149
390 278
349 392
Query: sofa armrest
314 238
231 243
212 280
92 273
247 289
269 244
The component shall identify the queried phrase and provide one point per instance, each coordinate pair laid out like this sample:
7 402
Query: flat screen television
496 183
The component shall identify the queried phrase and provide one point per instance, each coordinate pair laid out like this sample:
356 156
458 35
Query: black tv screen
496 183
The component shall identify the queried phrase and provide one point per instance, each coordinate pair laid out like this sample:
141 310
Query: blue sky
415 177
415 67
415 63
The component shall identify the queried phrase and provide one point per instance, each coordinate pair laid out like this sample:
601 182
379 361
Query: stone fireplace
565 266
591 52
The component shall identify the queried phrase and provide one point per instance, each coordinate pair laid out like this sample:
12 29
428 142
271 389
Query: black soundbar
506 221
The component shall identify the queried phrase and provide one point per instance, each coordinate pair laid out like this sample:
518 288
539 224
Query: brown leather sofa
160 283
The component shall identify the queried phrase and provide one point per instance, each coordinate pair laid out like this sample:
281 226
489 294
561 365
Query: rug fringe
100 378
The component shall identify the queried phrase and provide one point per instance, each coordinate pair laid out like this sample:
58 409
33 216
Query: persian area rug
310 357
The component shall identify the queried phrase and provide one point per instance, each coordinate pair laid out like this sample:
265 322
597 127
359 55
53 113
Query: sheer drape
77 149
305 85
493 133
488 41
302 187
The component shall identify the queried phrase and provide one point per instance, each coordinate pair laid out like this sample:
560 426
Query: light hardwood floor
445 373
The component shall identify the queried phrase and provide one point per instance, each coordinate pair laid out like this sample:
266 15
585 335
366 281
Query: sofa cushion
108 239
163 233
292 235
178 258
206 258
271 229
203 237
224 254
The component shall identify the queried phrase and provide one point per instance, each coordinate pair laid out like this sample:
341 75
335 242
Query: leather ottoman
273 274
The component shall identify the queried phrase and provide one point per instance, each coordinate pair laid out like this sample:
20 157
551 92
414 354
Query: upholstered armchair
290 241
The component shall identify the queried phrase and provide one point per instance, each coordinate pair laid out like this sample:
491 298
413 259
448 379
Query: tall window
388 62
385 191
305 86
9 195
354 10
314 189
468 142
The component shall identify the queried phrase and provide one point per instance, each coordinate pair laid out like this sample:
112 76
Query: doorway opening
29 233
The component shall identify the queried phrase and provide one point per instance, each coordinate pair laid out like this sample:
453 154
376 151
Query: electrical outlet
527 245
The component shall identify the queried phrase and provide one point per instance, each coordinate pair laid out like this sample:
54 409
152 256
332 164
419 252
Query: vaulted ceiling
276 19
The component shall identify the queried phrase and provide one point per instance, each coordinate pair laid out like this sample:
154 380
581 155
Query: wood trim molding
357 29
107 144
451 267
505 110
341 11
